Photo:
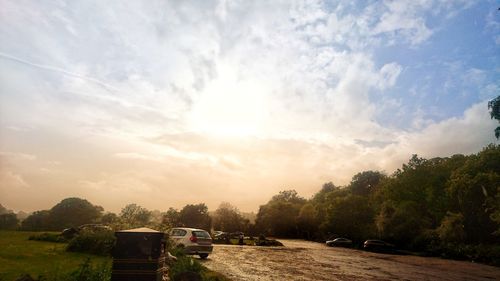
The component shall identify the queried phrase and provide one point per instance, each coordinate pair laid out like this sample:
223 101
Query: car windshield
201 234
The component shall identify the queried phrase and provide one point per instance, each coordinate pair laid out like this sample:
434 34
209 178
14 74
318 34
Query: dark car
378 246
339 242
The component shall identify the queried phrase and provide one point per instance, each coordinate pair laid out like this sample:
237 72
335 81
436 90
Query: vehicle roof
189 228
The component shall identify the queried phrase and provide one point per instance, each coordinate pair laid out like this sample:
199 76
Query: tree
452 228
39 220
279 216
73 212
134 215
109 218
171 218
8 221
228 218
307 220
4 210
365 182
350 216
401 222
195 216
494 107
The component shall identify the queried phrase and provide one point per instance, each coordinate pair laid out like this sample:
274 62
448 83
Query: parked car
339 242
378 246
194 241
93 227
69 233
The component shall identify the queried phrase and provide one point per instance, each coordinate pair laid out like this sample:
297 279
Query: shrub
49 237
87 272
268 242
489 254
97 243
186 268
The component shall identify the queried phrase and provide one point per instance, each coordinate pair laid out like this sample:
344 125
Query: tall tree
133 215
8 221
195 216
228 218
279 216
171 218
72 212
494 107
365 182
39 220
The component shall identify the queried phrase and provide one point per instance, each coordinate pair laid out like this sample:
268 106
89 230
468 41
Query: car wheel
203 256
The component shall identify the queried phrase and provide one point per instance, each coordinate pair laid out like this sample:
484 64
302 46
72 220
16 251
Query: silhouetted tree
171 218
133 215
279 216
73 212
195 216
39 220
228 218
8 221
494 107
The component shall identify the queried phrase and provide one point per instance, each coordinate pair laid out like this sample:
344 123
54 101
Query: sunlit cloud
168 103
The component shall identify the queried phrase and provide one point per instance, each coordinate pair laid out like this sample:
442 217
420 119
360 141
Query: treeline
448 206
426 205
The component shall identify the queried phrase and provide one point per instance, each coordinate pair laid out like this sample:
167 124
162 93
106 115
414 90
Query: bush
97 243
268 242
49 237
86 272
489 254
186 268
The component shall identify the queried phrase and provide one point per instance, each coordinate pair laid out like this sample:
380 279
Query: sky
168 103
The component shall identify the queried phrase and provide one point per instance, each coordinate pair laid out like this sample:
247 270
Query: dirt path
302 260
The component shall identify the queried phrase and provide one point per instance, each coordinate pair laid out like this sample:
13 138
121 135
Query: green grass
18 255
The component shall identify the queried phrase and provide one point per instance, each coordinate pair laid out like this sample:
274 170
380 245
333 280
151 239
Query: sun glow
231 106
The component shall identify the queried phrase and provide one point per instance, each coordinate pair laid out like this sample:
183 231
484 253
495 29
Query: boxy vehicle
194 241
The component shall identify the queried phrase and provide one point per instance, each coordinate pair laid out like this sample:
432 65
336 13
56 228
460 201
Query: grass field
18 255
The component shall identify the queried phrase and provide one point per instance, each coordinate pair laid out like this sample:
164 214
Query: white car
194 241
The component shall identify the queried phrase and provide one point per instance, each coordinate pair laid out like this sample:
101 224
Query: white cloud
178 101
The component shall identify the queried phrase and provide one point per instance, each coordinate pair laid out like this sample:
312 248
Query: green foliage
451 229
228 218
73 212
485 253
279 216
185 265
133 216
171 218
8 221
97 243
268 242
350 216
70 212
84 272
195 216
307 220
18 256
49 237
365 182
494 107
39 220
109 219
426 206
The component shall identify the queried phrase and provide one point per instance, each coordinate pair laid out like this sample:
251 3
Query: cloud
169 102
13 180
